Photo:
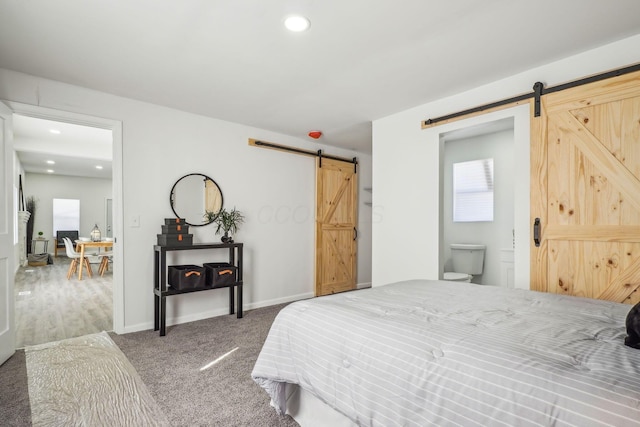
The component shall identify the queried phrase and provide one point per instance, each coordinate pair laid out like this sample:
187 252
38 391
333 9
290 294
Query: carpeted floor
14 393
178 372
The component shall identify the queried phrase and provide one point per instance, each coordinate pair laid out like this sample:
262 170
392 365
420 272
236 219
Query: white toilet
467 260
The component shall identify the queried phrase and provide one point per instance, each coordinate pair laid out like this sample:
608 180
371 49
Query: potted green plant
227 222
40 234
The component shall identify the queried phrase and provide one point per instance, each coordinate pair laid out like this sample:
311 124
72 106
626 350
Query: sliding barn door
336 217
586 191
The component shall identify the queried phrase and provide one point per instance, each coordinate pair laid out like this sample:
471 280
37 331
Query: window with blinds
66 215
473 191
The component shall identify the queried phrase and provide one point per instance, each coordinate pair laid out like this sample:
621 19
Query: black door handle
536 231
355 233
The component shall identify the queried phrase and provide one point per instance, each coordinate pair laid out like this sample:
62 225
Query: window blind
473 191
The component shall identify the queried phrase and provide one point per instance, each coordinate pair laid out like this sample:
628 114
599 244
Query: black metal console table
160 291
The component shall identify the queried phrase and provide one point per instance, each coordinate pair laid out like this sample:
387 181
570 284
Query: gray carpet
170 366
14 393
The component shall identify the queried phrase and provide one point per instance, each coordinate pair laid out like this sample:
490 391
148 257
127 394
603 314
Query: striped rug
87 381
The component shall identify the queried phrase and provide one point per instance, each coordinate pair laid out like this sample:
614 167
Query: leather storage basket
186 276
219 274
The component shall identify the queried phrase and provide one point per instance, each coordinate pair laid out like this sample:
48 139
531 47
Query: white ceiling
361 59
75 151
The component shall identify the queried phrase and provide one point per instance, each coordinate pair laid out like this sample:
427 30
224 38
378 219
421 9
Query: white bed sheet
443 353
309 411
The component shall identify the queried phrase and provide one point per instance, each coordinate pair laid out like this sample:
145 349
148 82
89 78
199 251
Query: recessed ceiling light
297 23
55 131
98 167
51 162
50 170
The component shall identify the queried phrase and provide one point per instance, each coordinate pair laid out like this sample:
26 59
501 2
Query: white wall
275 190
91 192
406 166
494 234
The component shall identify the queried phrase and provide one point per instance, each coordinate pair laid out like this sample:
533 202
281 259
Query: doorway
478 194
514 233
114 199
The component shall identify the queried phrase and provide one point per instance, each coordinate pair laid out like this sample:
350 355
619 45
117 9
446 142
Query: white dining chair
104 262
75 259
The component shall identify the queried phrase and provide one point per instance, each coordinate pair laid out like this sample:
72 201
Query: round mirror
196 198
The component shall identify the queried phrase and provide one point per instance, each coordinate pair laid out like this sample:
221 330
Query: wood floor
48 307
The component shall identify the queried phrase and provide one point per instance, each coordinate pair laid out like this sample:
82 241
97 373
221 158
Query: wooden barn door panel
592 269
586 154
336 218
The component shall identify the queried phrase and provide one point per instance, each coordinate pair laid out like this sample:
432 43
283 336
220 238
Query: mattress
420 353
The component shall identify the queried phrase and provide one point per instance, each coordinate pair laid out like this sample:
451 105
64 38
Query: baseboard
215 313
276 301
225 311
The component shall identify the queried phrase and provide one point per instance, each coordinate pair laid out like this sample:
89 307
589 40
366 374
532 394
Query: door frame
115 127
522 144
7 237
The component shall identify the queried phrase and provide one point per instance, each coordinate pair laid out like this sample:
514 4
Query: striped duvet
420 353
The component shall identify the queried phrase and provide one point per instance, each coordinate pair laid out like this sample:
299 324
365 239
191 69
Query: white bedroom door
7 333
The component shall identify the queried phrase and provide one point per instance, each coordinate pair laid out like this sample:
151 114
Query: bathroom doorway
478 196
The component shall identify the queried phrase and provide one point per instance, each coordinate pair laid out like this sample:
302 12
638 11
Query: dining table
82 245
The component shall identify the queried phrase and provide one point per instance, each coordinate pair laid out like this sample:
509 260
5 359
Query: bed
419 353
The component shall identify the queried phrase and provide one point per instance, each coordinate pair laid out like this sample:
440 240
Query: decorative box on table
186 276
175 232
175 239
219 273
175 221
175 229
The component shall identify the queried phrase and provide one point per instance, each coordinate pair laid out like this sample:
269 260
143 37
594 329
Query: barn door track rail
319 153
538 91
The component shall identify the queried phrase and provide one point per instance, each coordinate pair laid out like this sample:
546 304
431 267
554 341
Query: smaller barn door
336 220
